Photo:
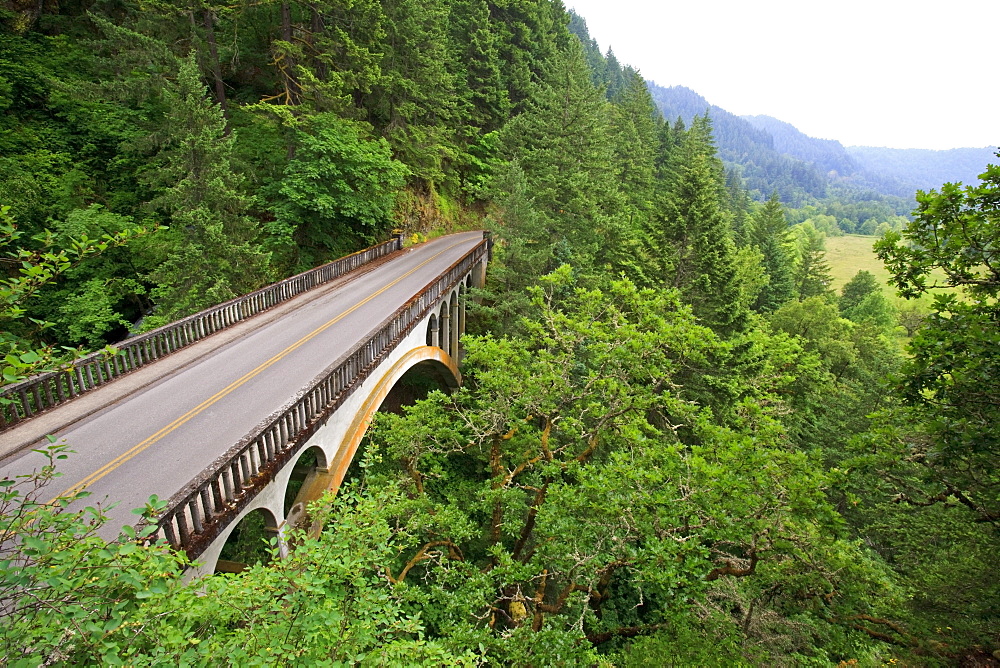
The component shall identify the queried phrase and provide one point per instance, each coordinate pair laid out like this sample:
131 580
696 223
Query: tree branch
422 553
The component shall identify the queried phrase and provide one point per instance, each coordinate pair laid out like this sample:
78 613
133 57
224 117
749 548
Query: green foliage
339 190
862 300
485 98
39 264
413 103
950 381
74 598
769 233
212 252
812 272
936 457
69 595
569 489
857 289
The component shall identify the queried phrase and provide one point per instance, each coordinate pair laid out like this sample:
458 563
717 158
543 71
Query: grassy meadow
851 253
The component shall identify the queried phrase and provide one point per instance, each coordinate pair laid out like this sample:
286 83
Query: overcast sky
896 73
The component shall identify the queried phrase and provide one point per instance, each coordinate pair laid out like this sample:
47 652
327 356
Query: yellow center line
137 449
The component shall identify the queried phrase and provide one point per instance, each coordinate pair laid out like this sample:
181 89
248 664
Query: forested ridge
674 445
852 183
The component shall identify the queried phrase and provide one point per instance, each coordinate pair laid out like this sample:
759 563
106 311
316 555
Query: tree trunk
213 52
315 28
294 91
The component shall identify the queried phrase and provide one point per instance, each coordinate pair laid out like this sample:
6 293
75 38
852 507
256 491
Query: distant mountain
772 155
749 151
894 171
923 169
827 154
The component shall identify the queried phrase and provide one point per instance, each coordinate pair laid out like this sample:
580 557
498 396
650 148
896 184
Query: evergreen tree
339 56
812 272
855 290
414 102
769 234
477 57
695 233
561 142
530 36
616 78
211 248
578 26
863 301
634 128
741 206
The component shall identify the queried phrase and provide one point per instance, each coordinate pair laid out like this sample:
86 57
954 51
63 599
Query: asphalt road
159 436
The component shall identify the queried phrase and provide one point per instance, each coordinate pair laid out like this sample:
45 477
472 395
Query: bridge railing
25 399
195 516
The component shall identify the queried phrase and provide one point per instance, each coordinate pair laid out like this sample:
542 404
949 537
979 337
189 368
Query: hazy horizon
858 73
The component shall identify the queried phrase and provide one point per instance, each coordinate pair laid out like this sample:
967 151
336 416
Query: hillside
827 155
892 171
772 155
922 169
749 151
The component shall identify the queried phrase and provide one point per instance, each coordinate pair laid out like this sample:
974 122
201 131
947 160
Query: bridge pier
433 332
456 325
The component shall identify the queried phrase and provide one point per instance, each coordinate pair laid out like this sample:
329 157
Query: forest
675 444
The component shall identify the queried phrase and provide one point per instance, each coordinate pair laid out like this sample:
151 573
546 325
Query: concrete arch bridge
218 412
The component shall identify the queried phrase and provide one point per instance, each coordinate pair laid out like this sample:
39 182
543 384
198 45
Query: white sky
896 73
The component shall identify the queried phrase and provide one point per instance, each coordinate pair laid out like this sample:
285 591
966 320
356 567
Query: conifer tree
414 102
561 142
812 272
211 250
339 56
485 98
740 205
616 78
770 236
855 290
592 51
635 131
862 301
694 227
530 36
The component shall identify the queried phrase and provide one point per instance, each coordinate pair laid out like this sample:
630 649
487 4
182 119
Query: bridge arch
434 358
243 542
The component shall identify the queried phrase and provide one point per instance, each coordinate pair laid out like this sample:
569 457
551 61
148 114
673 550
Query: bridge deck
162 434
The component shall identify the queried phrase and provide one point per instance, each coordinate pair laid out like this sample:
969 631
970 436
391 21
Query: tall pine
812 271
210 251
769 233
484 97
562 144
414 103
698 253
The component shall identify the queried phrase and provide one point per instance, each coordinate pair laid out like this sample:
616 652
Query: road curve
160 436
